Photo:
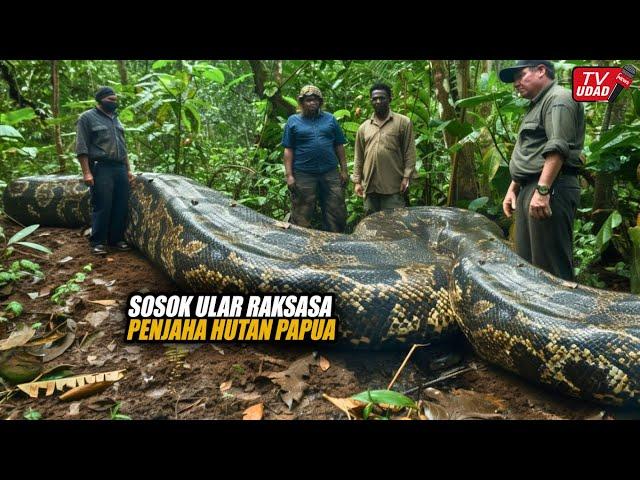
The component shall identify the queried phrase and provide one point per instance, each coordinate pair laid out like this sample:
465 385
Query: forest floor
221 381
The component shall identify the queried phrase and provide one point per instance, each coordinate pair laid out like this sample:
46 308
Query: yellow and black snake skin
404 276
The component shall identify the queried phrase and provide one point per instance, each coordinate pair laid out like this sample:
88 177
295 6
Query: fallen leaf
217 348
59 347
462 404
224 386
33 295
96 318
85 391
292 381
244 396
110 259
101 404
144 290
324 364
110 283
17 338
43 234
53 373
93 360
65 259
74 409
99 281
156 393
255 412
352 408
44 292
273 360
6 290
32 389
283 225
90 338
18 365
112 346
86 233
105 303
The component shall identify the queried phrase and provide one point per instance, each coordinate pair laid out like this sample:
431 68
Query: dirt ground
220 381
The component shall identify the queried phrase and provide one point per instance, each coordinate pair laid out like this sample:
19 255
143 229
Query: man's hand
344 177
404 184
291 180
539 207
131 176
88 179
358 190
509 203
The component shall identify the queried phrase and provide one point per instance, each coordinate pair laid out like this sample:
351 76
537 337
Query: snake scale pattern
404 276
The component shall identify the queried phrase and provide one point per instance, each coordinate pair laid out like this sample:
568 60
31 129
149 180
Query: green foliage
32 414
115 414
14 308
22 268
70 287
384 400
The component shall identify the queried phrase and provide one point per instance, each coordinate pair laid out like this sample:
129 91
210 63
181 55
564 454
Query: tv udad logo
600 84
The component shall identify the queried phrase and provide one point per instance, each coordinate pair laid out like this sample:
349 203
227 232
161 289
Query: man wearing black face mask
101 150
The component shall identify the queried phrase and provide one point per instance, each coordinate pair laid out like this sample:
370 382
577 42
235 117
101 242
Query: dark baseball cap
506 74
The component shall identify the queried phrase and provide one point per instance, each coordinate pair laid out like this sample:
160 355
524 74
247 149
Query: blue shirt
313 141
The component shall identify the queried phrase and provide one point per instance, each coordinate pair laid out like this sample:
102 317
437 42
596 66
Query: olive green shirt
384 154
553 123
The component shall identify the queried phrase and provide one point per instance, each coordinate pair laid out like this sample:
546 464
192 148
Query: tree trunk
280 106
55 108
122 70
604 201
463 185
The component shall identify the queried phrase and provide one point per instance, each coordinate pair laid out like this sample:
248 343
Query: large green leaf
213 73
478 203
158 64
340 114
385 397
456 128
350 126
23 233
606 231
480 99
17 116
7 131
193 115
35 246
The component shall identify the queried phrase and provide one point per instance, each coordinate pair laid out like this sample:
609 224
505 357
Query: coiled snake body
404 276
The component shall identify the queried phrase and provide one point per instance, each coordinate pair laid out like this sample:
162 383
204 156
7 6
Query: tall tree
604 201
55 108
463 184
122 70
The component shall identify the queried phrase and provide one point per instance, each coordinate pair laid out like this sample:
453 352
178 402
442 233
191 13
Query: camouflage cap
309 90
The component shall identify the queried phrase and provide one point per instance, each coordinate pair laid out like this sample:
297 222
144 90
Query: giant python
403 276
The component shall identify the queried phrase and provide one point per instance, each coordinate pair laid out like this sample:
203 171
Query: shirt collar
375 121
542 92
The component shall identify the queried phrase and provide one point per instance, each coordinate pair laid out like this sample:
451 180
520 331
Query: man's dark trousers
548 243
109 201
329 190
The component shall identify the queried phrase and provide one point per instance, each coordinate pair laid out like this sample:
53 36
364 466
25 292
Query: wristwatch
543 190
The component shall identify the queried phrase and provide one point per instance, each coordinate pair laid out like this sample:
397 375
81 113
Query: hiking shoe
122 246
99 250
